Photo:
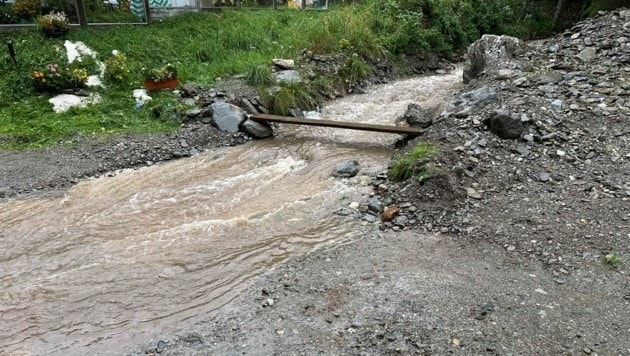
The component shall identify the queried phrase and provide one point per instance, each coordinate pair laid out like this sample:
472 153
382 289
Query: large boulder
288 76
489 54
419 116
256 129
346 169
504 125
227 117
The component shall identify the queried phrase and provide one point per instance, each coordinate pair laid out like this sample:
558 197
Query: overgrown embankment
207 47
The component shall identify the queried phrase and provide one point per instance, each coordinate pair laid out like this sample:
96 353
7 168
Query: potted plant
54 24
164 77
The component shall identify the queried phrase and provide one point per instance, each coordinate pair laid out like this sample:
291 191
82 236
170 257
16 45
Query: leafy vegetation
406 166
613 259
280 99
259 75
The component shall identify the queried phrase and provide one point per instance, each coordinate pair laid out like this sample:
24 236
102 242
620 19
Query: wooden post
303 4
147 11
411 131
81 13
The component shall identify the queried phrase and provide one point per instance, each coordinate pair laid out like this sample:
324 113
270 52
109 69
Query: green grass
405 166
613 259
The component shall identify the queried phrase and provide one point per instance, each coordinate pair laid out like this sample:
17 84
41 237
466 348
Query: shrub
55 78
354 70
53 22
7 16
26 9
116 69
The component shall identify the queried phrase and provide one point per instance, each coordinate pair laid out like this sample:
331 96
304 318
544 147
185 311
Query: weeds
406 166
354 70
613 259
281 98
259 75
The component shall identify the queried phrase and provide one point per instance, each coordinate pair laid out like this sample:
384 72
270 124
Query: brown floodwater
117 260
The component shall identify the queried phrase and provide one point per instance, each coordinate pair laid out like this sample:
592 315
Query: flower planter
161 85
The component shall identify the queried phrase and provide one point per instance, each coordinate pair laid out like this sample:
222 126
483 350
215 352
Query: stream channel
116 260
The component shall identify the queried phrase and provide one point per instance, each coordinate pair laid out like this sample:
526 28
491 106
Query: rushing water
116 259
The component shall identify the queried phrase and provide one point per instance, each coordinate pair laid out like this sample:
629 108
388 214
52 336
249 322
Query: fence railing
17 14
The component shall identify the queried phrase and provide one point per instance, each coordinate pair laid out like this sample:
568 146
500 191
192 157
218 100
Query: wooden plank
411 131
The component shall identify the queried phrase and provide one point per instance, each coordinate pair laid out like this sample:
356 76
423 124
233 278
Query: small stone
587 55
354 205
539 290
284 63
556 105
543 177
472 193
270 302
456 342
390 213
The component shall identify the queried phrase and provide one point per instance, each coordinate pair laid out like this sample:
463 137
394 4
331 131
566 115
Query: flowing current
116 260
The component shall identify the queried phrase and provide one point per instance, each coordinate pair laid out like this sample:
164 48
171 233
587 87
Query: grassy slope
203 46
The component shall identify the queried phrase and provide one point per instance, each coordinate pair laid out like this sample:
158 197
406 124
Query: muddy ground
503 253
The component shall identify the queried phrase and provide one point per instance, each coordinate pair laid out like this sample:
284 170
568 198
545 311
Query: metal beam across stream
411 131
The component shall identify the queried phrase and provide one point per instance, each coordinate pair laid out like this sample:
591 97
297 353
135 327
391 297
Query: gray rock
474 100
256 129
543 177
504 125
489 54
369 218
288 76
284 63
556 105
227 117
550 78
375 205
346 169
419 116
587 55
553 48
401 220
248 106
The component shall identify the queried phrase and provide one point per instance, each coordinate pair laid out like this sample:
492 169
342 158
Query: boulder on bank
256 129
227 117
489 54
418 116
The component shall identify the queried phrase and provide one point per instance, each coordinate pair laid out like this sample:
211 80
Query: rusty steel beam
411 131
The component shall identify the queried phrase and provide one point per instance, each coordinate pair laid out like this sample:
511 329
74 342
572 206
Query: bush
7 16
55 78
354 70
26 9
116 69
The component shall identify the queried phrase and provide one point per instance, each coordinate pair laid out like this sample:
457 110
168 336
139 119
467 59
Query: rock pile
536 148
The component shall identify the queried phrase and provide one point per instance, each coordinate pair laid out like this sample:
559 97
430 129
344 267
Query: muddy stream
117 260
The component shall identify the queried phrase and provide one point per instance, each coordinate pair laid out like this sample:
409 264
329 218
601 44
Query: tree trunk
556 15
